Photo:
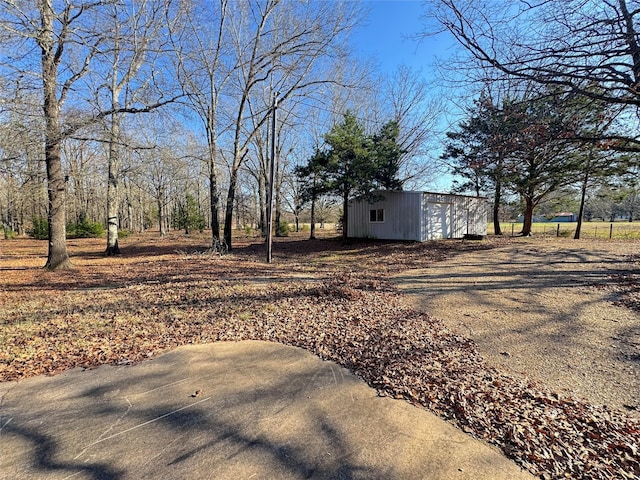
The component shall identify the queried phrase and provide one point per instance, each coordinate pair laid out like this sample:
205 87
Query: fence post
558 231
610 231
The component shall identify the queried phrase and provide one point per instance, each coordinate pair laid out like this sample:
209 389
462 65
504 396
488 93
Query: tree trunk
228 215
130 222
496 208
583 196
262 203
312 236
161 215
214 199
277 220
528 217
57 257
345 214
113 199
278 211
278 185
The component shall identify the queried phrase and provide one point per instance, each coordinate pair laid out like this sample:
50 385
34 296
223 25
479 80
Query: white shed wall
436 218
477 210
419 216
453 216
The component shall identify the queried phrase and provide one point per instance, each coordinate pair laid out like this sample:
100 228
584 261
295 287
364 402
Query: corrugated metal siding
460 221
452 216
419 216
401 217
436 216
478 211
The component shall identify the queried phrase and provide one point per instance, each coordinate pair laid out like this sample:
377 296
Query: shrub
85 229
283 229
39 228
9 234
187 216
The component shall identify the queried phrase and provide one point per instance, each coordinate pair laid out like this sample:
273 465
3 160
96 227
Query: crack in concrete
109 429
100 440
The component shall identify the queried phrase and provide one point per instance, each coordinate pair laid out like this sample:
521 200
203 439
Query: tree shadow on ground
529 307
146 425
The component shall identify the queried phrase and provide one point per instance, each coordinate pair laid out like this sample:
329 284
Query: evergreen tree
477 151
387 154
530 146
188 216
353 163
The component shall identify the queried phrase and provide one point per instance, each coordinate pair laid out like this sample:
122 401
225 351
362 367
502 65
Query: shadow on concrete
228 410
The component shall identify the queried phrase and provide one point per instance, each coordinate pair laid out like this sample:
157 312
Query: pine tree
353 163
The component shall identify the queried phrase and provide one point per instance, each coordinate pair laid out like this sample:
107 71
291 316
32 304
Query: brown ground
557 310
335 300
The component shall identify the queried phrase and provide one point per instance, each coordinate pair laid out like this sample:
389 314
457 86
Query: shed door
438 220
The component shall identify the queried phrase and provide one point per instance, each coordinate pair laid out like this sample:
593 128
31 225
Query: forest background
129 115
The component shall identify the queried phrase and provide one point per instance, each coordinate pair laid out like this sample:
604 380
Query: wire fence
601 230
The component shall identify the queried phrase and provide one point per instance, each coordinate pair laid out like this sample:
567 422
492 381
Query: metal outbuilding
417 216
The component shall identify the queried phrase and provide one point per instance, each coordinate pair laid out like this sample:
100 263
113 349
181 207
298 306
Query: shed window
376 215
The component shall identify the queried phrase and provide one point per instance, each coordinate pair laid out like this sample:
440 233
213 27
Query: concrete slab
251 410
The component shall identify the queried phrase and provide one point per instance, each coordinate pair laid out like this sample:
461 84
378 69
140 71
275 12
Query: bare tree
21 168
83 165
588 47
200 41
282 44
54 35
416 110
52 29
130 53
293 196
258 165
163 169
69 37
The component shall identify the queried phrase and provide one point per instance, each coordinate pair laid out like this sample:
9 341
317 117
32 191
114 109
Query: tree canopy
531 146
588 47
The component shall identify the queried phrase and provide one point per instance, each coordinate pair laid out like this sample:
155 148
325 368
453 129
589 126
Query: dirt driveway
551 309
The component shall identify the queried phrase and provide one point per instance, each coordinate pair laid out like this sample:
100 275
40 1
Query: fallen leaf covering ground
330 298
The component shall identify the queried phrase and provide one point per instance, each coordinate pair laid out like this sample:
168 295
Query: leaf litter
329 298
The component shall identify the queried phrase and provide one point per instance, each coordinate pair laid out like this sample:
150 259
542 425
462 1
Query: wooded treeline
142 113
134 114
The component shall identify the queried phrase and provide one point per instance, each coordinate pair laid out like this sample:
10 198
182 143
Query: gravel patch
561 312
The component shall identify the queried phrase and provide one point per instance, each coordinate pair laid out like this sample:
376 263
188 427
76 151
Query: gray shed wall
401 217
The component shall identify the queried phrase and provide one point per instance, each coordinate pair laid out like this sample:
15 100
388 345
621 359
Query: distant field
615 230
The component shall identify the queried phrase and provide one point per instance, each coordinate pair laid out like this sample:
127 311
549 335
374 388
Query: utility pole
271 177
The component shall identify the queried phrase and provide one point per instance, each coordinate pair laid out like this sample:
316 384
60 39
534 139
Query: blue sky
386 39
385 36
